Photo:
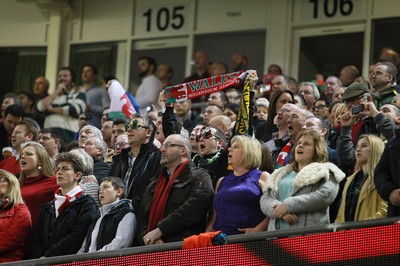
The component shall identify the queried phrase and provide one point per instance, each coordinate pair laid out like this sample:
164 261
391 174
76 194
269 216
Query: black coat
146 166
65 234
387 171
100 169
187 207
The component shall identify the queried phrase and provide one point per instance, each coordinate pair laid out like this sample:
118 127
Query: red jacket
15 226
36 191
11 165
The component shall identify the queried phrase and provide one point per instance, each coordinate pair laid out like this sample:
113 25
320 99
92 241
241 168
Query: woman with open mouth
299 194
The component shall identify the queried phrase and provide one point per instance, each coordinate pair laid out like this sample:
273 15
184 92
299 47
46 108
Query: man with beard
176 204
147 92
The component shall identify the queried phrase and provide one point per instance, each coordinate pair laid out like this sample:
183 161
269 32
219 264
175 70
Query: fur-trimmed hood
309 175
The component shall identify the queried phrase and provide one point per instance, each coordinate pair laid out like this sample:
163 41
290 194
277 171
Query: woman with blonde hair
360 199
37 177
15 219
237 197
299 194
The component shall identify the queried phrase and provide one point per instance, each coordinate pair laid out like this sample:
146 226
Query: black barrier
265 248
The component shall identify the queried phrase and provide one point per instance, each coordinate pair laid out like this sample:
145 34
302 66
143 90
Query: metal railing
234 239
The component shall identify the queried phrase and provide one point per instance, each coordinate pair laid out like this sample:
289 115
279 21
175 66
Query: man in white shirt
147 92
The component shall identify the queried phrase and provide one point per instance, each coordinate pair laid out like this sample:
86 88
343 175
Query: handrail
230 240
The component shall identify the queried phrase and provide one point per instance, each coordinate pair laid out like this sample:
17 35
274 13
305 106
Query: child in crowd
262 109
65 220
116 226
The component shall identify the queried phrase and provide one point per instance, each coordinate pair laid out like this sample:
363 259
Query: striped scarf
61 202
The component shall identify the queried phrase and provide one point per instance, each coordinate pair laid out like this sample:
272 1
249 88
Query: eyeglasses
283 110
170 144
319 106
205 133
134 124
121 144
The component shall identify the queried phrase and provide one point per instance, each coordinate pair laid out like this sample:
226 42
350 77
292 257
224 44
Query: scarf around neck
61 202
161 195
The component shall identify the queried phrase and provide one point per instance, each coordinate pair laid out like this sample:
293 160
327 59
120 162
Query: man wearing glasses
383 80
362 118
140 162
175 205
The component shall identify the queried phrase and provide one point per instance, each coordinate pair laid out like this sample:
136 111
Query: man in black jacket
175 206
65 220
387 179
140 162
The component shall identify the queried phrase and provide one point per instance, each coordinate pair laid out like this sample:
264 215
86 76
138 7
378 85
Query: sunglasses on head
134 124
205 133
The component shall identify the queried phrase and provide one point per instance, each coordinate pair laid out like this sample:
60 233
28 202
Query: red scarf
194 89
355 129
63 201
161 195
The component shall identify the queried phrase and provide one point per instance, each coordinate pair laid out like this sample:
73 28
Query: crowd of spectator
74 180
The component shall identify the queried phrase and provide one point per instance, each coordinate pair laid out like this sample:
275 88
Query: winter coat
369 204
187 207
64 234
111 233
387 171
100 169
313 189
15 227
146 166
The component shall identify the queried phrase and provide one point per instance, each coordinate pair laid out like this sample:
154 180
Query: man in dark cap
362 118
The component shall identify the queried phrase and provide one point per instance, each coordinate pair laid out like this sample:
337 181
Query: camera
357 109
265 88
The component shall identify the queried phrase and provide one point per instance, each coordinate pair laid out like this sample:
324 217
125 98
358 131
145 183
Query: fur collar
309 175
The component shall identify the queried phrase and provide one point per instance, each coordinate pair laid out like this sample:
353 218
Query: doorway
325 51
171 52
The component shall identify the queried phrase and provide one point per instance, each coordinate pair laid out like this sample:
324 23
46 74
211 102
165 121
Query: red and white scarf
61 202
194 89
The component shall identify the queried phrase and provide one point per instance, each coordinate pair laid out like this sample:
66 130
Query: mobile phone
357 109
265 88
